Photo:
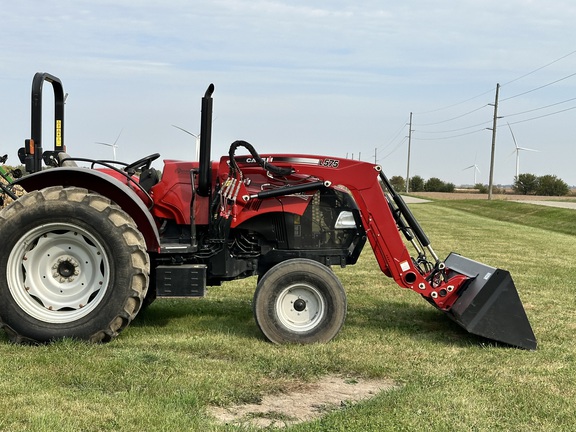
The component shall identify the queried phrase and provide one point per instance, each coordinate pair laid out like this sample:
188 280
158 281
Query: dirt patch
310 402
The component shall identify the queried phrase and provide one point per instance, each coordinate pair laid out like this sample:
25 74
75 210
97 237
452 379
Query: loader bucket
490 306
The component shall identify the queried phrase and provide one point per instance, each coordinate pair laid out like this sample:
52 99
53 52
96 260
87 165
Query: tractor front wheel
73 264
299 301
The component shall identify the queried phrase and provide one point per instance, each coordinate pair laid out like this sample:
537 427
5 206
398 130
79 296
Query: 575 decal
330 163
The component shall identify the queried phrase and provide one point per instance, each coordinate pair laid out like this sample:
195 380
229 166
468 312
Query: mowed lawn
181 357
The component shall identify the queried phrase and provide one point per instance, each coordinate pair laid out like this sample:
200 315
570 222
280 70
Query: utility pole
408 164
491 182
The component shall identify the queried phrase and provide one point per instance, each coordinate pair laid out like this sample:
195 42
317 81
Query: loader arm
481 299
383 215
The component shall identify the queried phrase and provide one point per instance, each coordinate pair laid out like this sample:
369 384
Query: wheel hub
65 269
299 305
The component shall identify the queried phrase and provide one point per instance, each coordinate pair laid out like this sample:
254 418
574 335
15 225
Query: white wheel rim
300 307
58 273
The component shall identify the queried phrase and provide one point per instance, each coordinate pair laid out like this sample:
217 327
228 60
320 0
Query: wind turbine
476 170
114 146
517 150
196 136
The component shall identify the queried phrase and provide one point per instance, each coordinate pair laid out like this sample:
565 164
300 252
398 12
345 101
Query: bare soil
307 403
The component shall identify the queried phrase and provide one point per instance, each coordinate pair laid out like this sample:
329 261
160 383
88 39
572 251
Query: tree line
418 184
524 184
548 185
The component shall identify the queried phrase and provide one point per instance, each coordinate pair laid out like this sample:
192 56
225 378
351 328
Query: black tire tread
126 229
327 281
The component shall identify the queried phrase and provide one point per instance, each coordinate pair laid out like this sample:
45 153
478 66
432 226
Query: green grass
550 218
181 356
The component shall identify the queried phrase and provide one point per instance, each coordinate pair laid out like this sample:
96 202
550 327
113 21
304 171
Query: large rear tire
299 301
73 264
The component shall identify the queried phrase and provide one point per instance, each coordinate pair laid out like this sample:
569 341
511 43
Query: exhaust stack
205 172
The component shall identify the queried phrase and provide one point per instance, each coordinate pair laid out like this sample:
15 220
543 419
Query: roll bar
31 154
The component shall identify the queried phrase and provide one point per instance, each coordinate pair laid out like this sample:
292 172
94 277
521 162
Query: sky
325 77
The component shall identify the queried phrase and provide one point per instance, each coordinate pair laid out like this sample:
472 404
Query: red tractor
85 249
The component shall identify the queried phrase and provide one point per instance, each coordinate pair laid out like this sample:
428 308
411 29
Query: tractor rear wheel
299 301
73 265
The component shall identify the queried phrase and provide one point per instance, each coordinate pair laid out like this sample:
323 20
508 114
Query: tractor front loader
86 249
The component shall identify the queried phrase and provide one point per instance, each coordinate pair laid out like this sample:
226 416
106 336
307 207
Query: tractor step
490 305
185 280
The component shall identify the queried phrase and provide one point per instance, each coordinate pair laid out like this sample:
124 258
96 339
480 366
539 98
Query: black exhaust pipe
205 168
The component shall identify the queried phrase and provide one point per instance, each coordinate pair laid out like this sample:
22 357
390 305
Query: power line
397 147
449 137
538 88
491 90
455 118
456 104
540 108
544 115
391 141
509 115
403 140
455 130
540 68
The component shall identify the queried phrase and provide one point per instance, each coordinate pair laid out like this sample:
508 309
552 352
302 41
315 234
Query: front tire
299 301
73 265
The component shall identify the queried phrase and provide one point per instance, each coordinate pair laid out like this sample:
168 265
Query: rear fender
103 184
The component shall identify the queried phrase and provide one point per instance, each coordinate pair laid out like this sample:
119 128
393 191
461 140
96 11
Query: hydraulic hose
267 166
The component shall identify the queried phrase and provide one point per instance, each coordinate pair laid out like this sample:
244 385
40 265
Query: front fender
106 186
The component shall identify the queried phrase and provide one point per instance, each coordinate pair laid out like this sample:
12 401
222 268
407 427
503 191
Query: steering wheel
141 164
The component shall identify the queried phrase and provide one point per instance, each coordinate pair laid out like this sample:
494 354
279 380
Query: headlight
345 220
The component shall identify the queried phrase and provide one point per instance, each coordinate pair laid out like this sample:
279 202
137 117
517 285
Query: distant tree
550 185
448 187
481 188
433 184
398 183
525 184
416 184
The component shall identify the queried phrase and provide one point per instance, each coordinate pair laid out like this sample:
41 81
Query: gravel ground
561 204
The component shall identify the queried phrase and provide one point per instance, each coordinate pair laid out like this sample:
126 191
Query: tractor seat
148 178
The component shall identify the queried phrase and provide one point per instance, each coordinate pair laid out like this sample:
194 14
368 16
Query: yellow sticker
58 133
